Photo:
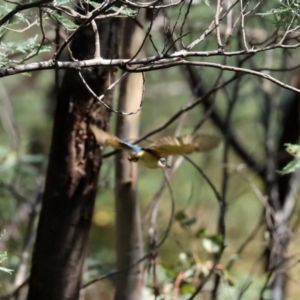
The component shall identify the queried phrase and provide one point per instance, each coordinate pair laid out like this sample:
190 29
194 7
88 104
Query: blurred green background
32 99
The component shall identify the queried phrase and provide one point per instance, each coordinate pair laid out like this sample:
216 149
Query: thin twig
99 98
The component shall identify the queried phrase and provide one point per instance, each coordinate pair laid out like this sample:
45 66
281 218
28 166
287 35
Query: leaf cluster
3 256
293 165
287 13
25 47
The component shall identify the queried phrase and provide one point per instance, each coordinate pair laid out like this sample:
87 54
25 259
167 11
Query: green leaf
273 11
95 4
188 221
184 219
25 46
129 12
26 74
169 272
8 9
229 279
207 2
292 149
3 256
60 2
162 274
32 158
284 13
186 288
212 243
6 270
292 166
64 21
201 233
3 60
180 215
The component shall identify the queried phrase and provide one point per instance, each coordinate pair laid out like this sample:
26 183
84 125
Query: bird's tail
104 138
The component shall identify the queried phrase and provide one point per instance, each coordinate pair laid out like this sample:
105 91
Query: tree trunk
129 283
72 174
281 194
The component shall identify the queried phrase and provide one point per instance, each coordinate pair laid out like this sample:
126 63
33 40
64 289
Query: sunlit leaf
186 288
61 2
292 166
24 46
6 270
102 218
284 13
292 149
201 233
213 243
3 256
207 2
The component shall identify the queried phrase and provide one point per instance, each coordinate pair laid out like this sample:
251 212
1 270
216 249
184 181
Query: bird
154 156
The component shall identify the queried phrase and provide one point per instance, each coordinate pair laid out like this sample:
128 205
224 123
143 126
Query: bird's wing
184 145
104 138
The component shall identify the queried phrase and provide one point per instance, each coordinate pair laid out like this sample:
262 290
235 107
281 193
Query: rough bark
129 242
72 173
281 194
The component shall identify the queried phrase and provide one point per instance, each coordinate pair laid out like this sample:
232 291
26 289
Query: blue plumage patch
127 146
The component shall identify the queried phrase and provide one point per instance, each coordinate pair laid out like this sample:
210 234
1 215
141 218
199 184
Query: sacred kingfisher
154 156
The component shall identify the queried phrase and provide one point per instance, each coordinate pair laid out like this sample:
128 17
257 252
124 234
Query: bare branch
99 98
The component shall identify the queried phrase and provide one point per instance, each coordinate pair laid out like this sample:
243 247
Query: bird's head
163 163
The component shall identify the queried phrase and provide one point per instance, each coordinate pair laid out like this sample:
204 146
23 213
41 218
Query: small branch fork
99 98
